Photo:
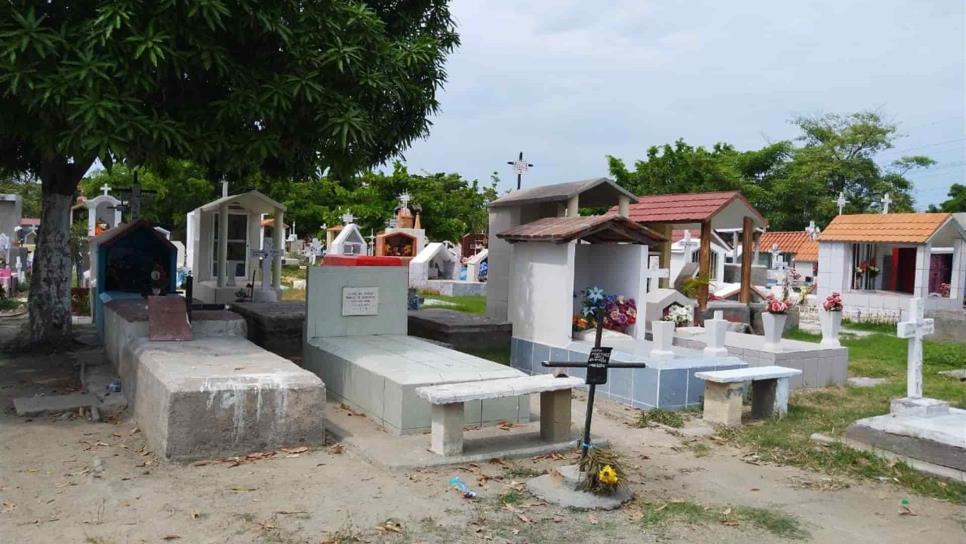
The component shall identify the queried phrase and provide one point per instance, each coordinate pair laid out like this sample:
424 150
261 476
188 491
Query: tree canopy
956 202
790 182
287 88
451 206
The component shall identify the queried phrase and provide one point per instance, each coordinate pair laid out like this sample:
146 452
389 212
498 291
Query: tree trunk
49 302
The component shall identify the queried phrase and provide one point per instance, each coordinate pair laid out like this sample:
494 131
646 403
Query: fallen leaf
243 489
592 519
336 449
558 519
524 519
195 515
730 522
8 506
302 449
171 537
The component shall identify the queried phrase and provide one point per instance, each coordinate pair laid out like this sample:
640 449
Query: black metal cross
134 194
598 362
519 166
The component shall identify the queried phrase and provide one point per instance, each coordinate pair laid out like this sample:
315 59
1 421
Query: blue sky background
569 82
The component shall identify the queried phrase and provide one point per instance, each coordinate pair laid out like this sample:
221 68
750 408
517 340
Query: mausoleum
879 262
103 211
224 247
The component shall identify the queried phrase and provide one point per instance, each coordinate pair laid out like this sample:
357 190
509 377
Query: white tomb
103 210
223 237
350 240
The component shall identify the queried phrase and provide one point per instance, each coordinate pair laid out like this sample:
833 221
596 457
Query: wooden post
704 263
747 249
667 230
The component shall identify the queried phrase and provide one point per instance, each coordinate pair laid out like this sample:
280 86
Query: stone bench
723 388
447 406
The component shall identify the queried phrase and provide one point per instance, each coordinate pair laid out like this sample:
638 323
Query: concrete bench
722 392
447 406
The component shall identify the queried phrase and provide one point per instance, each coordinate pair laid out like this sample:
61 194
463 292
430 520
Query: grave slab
462 331
221 396
937 439
275 326
168 319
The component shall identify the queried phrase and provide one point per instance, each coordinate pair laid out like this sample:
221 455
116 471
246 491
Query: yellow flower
607 475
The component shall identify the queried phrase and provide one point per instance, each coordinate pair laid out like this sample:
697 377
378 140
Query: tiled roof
678 234
607 193
911 228
789 241
593 228
808 251
684 207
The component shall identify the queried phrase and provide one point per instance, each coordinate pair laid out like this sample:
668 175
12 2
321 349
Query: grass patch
475 305
8 304
884 328
293 294
830 411
663 417
511 497
699 449
775 522
517 471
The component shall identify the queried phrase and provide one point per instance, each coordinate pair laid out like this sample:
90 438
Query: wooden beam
704 262
747 251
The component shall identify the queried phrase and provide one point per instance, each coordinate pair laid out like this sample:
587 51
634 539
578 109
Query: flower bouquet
867 267
833 303
775 306
618 312
680 315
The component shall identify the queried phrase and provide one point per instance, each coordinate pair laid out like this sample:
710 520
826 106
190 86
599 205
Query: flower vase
774 326
831 323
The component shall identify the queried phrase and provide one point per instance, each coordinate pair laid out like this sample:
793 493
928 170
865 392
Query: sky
569 82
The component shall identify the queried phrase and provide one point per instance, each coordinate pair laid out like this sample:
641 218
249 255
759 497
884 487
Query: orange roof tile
789 241
684 207
808 251
910 228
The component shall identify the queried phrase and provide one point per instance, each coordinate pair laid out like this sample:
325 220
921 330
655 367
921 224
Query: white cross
775 254
106 188
812 230
686 243
886 200
915 329
266 256
841 201
656 274
404 199
347 218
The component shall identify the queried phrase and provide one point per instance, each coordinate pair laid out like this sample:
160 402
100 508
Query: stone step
53 404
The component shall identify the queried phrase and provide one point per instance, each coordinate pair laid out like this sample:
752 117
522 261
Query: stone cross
915 329
347 218
886 200
687 245
841 201
715 330
775 254
315 249
106 188
404 199
812 230
662 333
266 256
656 274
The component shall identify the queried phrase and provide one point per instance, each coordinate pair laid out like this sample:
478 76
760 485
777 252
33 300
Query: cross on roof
812 230
106 188
841 201
886 200
404 199
347 218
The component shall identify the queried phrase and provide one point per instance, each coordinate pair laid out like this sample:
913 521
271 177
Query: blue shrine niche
125 261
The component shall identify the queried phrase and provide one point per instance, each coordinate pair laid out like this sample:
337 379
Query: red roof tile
788 241
684 207
914 228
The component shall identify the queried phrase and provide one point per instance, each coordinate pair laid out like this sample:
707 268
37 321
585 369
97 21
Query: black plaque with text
597 366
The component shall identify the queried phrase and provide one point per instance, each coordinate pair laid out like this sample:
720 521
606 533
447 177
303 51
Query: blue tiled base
665 384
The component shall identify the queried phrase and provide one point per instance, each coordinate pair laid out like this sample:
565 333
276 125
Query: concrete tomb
918 427
356 340
215 395
553 253
437 269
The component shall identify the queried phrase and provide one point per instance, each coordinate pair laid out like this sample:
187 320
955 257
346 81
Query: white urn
774 326
831 323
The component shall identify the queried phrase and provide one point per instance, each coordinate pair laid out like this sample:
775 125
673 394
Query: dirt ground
70 480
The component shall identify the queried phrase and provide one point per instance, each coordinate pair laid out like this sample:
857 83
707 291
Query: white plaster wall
923 254
616 268
541 288
192 240
833 268
498 274
324 301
